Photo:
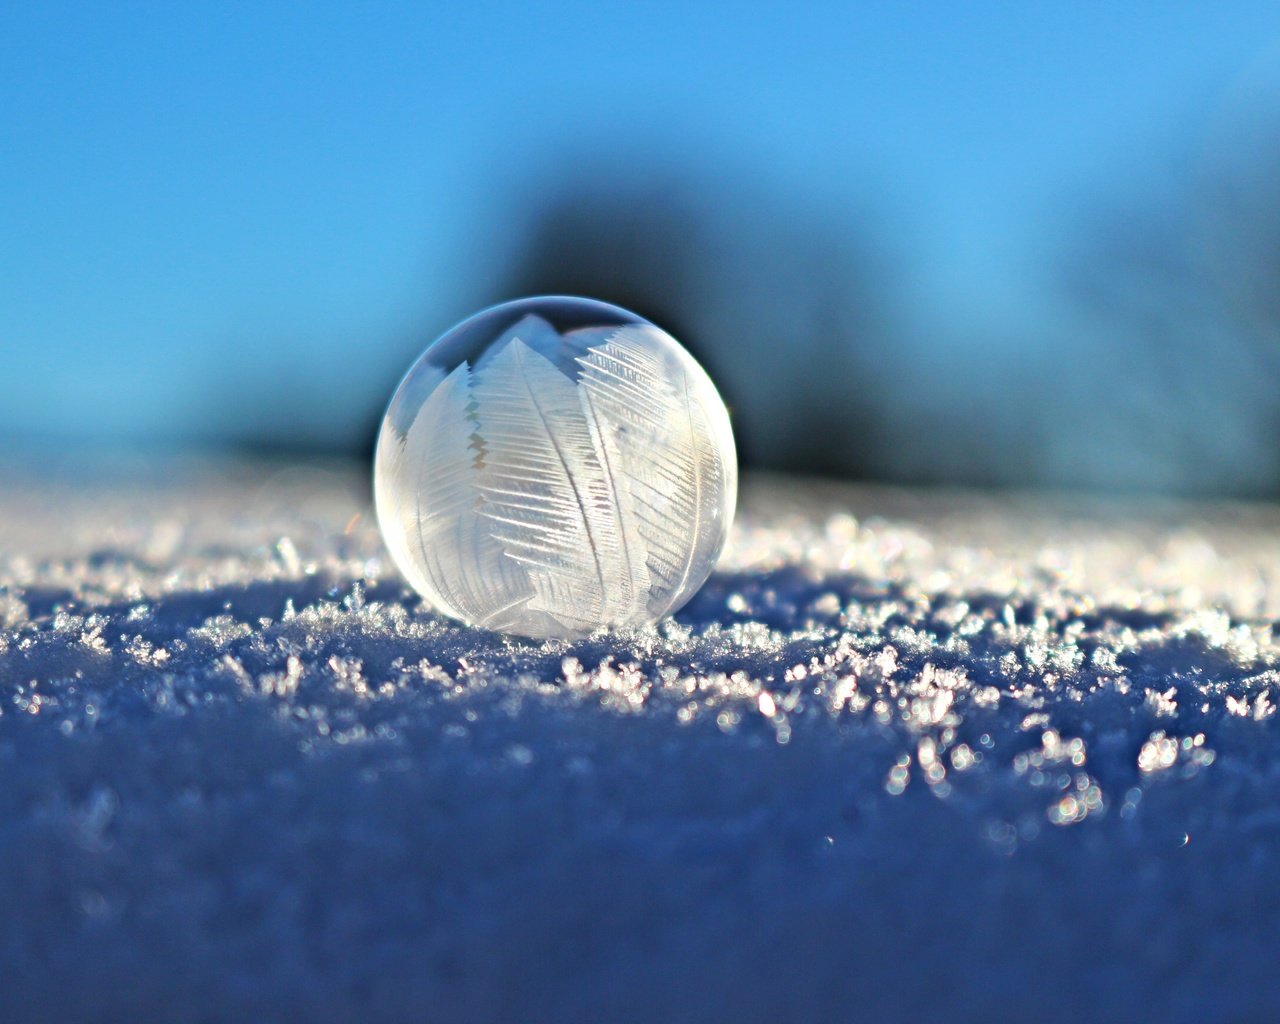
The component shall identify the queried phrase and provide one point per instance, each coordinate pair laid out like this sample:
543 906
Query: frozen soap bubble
554 465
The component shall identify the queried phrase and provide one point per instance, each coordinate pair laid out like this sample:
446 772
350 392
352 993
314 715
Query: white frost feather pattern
461 564
524 500
674 462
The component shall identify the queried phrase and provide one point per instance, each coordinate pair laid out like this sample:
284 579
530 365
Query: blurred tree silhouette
783 302
1179 303
1157 373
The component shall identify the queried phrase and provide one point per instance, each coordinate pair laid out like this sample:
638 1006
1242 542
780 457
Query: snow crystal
904 755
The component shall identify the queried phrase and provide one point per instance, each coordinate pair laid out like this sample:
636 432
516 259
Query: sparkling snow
905 755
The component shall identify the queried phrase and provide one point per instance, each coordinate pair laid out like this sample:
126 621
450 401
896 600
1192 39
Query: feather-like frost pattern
674 469
463 563
394 499
547 493
629 595
561 483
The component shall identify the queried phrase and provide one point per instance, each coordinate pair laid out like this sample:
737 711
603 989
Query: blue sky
197 195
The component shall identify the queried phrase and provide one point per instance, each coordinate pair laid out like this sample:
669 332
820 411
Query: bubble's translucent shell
552 466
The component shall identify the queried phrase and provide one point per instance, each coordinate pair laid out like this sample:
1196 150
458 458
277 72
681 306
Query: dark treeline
779 302
1154 371
1154 368
1174 291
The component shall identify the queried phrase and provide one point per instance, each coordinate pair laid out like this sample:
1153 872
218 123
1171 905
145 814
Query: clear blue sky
193 195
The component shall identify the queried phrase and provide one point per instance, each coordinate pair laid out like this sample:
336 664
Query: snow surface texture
904 757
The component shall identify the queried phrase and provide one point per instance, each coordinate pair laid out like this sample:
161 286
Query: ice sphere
555 465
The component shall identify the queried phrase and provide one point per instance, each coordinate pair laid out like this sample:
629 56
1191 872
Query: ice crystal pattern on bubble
524 500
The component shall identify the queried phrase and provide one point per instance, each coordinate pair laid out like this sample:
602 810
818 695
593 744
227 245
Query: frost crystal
552 466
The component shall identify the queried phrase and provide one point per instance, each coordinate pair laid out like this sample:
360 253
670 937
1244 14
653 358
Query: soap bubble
555 465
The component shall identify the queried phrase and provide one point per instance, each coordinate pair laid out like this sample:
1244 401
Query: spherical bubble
555 465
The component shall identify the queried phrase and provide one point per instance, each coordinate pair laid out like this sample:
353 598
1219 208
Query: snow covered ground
905 756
